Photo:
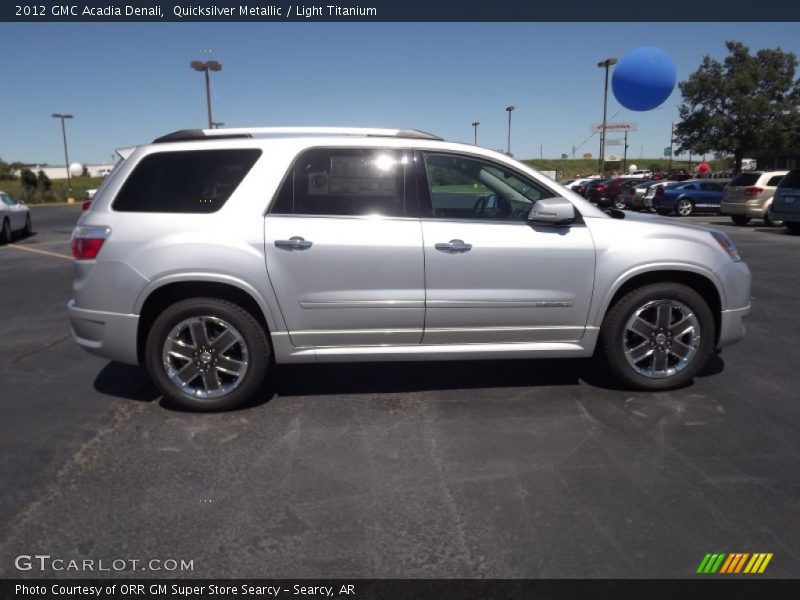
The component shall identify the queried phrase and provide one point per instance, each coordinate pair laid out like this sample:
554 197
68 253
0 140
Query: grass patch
58 193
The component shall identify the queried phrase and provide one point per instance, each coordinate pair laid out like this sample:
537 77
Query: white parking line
37 251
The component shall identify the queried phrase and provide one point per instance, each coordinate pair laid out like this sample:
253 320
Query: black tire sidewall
613 328
254 334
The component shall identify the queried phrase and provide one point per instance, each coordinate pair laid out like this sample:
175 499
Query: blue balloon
644 78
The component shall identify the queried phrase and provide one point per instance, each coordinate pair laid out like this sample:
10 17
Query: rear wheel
657 336
771 222
207 354
619 203
684 208
740 219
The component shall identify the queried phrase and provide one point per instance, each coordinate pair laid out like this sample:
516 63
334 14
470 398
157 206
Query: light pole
475 127
66 154
509 110
205 67
216 124
606 64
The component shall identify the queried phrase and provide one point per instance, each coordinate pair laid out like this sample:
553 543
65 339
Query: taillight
753 191
600 188
85 206
87 241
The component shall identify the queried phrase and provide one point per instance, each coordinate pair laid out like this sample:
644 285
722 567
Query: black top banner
394 10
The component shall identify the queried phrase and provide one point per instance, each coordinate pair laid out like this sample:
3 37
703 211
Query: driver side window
469 188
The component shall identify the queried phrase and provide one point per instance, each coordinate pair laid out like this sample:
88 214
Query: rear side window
791 179
774 181
743 179
195 181
345 182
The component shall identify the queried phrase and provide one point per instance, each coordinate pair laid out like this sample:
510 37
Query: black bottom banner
400 589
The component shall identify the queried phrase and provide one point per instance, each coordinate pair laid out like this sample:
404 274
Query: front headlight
724 240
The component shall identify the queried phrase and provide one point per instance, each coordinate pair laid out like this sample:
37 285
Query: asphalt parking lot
464 469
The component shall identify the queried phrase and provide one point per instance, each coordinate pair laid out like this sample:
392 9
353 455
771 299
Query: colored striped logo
735 562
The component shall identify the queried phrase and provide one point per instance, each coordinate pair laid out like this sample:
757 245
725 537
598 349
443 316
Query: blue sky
127 83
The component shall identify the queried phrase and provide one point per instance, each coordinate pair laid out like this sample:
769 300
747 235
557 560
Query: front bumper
731 326
106 334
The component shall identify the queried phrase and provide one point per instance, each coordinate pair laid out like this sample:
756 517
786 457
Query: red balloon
703 167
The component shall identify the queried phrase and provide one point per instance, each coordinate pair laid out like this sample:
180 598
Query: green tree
744 103
43 182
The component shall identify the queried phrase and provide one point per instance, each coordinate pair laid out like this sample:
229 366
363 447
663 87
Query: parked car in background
785 205
632 194
688 197
749 196
605 193
595 187
640 174
15 217
214 258
677 175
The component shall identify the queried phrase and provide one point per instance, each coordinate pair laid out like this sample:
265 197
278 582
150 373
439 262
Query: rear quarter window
194 181
743 179
774 181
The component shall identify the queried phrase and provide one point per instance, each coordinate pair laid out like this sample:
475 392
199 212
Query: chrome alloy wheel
661 338
684 208
205 357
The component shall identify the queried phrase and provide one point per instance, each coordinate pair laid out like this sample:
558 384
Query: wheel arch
159 297
703 283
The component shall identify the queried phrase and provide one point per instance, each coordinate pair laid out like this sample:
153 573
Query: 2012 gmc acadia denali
210 256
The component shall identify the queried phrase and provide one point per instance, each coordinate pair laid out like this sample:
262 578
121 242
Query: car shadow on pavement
125 381
400 377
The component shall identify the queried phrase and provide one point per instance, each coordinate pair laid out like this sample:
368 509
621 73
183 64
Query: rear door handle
454 246
294 243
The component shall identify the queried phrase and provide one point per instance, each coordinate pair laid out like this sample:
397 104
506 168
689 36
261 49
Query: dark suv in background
786 202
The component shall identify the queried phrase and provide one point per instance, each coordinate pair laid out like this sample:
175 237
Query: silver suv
211 256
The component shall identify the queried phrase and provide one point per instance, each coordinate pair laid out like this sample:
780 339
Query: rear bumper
783 215
731 327
106 334
754 211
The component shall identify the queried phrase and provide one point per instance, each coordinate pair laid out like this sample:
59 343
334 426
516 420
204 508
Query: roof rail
185 135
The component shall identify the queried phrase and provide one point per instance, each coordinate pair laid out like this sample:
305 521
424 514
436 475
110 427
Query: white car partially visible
14 217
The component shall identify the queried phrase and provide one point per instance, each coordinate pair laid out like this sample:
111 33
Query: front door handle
294 243
454 246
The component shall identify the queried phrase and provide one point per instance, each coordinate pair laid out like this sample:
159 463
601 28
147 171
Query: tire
230 350
619 204
740 219
5 232
793 227
770 222
624 337
28 226
684 207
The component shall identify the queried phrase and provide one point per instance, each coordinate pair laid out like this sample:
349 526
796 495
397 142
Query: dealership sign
622 126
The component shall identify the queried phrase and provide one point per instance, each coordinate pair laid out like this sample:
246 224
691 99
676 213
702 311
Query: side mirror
552 211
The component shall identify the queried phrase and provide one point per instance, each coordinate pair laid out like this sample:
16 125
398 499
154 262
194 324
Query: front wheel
684 208
5 232
207 354
619 203
657 337
28 226
771 222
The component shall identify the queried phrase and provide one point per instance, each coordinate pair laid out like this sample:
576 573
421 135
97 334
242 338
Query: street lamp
475 127
509 110
606 64
216 124
66 154
205 67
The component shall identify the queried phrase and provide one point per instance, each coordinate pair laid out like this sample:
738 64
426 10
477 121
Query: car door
712 194
344 260
490 275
